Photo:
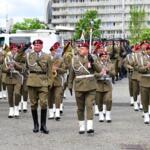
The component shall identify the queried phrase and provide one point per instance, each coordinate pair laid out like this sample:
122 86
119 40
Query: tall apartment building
114 14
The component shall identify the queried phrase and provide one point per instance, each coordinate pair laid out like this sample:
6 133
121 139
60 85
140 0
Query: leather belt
38 72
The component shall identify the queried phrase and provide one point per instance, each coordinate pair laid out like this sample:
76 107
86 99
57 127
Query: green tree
84 25
136 24
145 35
29 24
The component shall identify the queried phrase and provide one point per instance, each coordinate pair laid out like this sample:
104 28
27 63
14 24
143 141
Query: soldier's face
83 51
14 50
104 57
53 53
38 47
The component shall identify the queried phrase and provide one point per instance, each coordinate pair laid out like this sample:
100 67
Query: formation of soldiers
137 64
29 72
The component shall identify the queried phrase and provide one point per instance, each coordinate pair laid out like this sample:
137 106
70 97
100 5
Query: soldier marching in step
104 86
38 82
3 91
82 73
13 81
91 74
144 69
55 94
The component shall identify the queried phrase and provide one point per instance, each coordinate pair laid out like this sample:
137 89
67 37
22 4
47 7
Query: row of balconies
105 11
104 3
74 20
106 19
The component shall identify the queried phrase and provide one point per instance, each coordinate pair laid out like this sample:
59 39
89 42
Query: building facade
114 14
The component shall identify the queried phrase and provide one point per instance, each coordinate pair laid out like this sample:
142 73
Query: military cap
56 45
38 41
85 44
103 53
52 49
13 46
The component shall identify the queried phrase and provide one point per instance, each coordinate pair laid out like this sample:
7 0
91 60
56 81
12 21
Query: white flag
82 38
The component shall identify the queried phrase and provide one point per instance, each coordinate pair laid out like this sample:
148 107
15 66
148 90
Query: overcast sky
19 9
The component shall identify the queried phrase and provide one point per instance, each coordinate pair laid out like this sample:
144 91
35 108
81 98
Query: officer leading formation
29 73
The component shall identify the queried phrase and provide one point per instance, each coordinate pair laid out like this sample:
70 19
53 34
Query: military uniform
129 61
114 56
2 75
145 86
56 91
13 82
104 88
82 73
21 58
136 79
39 78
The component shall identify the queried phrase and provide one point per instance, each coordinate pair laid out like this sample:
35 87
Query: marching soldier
39 78
114 56
145 85
136 55
13 81
21 58
3 93
56 90
82 73
129 61
104 86
67 57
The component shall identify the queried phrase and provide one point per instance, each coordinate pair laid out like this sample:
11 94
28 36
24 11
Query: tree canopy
28 24
84 25
136 24
145 35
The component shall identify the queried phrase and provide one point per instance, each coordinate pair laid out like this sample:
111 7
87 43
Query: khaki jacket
13 76
40 72
104 84
145 73
81 67
57 79
137 62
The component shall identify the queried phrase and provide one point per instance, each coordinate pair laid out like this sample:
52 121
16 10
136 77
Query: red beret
38 41
85 45
13 46
137 47
95 43
147 48
52 48
103 53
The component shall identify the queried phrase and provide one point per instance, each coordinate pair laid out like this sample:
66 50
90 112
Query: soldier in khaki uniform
114 56
129 61
82 73
2 75
56 90
39 79
21 58
104 86
136 55
13 81
145 85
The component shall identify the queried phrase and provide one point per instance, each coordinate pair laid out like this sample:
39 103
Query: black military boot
35 120
43 128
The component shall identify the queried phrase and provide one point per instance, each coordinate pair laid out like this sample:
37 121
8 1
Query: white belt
85 76
104 79
146 75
